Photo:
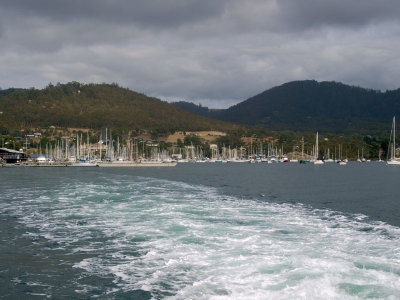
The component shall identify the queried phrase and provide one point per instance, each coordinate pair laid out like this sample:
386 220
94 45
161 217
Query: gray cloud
214 52
154 13
310 14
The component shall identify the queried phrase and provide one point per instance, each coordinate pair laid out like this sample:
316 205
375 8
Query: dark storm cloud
210 51
296 14
153 13
310 14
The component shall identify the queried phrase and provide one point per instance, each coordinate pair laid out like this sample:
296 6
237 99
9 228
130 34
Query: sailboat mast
394 138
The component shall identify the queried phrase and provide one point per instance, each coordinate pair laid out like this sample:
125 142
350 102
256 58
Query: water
201 232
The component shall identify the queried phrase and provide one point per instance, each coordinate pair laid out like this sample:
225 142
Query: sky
213 52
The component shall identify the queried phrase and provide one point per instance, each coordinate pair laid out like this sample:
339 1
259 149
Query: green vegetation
96 106
356 119
233 141
314 106
193 108
8 91
9 142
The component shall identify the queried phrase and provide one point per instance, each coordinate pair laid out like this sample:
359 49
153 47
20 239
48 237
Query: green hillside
193 108
95 106
311 106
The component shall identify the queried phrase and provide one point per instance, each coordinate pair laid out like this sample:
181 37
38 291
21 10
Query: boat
202 160
216 160
341 162
84 164
392 146
316 160
272 159
283 159
329 159
302 161
240 160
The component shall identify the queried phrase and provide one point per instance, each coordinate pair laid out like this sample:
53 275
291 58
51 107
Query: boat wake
180 241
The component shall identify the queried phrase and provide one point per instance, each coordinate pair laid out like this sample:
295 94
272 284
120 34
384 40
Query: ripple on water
155 238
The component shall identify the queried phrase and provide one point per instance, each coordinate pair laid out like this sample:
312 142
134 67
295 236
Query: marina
73 152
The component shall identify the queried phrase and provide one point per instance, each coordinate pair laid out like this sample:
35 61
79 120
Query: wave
176 240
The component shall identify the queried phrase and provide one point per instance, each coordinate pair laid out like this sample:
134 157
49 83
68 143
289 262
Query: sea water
196 232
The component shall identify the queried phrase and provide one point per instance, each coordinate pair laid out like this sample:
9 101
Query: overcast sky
214 52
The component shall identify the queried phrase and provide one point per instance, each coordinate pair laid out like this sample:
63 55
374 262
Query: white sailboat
392 145
341 162
316 160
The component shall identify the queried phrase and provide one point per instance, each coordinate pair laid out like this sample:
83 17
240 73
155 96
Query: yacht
392 145
316 160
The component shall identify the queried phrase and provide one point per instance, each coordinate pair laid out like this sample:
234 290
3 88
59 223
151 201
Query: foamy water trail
182 241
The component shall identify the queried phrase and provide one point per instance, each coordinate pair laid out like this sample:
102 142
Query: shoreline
94 165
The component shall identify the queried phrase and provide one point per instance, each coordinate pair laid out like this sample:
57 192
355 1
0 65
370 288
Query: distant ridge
96 106
195 109
302 106
9 91
310 106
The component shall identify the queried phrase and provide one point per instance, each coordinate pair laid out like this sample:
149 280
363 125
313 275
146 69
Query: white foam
168 237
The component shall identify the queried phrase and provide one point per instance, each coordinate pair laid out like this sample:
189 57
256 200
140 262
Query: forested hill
193 108
96 106
8 91
311 106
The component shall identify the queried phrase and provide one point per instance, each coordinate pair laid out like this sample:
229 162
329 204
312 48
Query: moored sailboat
392 146
316 160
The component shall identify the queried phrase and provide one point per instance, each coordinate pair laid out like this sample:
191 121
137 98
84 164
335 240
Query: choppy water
134 234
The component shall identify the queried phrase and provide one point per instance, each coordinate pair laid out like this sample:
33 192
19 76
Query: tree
179 143
229 140
192 140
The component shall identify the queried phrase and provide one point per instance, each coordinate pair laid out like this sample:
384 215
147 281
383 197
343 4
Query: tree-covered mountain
193 108
9 91
311 106
298 106
96 106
